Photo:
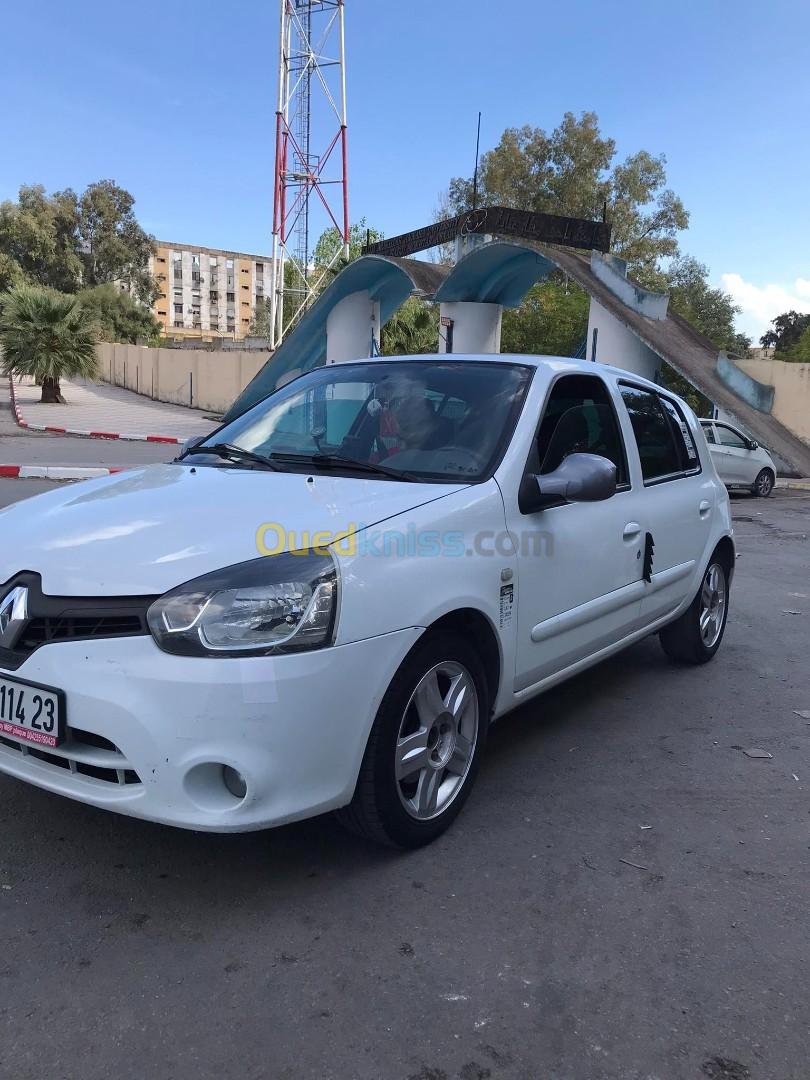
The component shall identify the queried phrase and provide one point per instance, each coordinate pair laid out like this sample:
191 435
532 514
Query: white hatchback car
323 605
740 462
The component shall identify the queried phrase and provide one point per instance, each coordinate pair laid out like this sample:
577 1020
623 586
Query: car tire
764 483
422 756
695 637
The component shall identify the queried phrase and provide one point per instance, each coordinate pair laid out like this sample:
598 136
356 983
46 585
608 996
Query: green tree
329 249
787 330
262 318
551 321
113 245
63 241
118 317
47 336
413 329
799 352
709 310
571 171
39 239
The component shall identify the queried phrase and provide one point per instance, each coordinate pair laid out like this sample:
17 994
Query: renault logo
13 616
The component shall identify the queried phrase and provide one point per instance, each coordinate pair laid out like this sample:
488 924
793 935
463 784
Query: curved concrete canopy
496 273
388 281
502 272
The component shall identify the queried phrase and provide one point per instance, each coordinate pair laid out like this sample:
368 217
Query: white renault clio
740 462
325 604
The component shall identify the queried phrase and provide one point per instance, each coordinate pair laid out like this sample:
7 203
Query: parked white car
324 605
740 462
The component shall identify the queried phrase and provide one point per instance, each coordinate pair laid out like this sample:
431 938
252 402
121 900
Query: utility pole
311 191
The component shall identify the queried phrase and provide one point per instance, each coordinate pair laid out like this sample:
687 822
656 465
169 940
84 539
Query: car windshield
432 420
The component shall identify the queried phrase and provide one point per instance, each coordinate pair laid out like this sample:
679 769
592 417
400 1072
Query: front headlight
279 603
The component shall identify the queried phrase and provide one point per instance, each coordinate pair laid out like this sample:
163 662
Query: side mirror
753 444
579 478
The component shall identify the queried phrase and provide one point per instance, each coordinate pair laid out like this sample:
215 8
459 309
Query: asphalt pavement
625 896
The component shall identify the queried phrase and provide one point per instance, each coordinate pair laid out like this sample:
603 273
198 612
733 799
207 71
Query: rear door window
665 445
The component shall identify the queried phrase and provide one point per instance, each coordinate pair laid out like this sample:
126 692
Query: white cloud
761 303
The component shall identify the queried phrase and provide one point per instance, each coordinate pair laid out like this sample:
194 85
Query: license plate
33 713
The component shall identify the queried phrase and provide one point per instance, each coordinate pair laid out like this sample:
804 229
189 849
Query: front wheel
763 485
423 752
695 637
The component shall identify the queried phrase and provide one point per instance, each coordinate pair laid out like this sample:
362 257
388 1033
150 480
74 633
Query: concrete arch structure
344 320
628 327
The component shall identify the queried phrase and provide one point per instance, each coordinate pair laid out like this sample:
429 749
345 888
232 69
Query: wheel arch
726 552
473 625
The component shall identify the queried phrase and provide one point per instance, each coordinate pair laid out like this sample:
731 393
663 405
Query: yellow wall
207 380
791 383
244 302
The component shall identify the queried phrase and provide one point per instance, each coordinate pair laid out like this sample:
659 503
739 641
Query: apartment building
207 293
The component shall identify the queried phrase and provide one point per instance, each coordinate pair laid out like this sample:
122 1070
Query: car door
717 452
578 564
739 461
679 498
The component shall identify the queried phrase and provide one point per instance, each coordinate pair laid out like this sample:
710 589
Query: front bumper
149 733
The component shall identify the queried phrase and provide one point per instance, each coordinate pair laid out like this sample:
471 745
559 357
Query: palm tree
47 336
413 329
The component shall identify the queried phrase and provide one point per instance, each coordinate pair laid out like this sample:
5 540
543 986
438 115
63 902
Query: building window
229 264
162 313
161 259
244 271
178 322
178 309
230 297
213 295
246 288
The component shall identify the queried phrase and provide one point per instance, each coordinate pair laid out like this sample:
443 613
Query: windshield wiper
330 460
232 453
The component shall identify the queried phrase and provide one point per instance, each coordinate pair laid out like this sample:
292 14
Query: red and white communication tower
311 181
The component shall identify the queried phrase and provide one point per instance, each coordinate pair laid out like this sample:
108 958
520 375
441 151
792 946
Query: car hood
146 530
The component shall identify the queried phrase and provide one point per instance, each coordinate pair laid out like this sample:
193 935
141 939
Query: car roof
552 364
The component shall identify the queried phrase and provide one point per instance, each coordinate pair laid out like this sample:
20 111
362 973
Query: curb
53 472
23 423
793 485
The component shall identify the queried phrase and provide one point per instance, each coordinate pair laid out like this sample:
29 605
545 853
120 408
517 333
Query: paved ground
518 947
100 407
21 447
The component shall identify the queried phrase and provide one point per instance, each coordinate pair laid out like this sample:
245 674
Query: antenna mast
311 180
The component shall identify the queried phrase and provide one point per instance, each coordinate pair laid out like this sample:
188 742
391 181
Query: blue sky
176 101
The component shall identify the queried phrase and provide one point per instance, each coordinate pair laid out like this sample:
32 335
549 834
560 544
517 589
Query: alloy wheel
437 738
712 605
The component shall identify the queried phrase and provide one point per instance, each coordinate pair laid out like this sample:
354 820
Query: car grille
71 618
83 753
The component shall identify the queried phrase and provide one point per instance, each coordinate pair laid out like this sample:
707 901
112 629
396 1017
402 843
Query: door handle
704 508
632 530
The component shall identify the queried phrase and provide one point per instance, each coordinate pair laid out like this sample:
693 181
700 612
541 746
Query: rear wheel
423 752
695 637
763 485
